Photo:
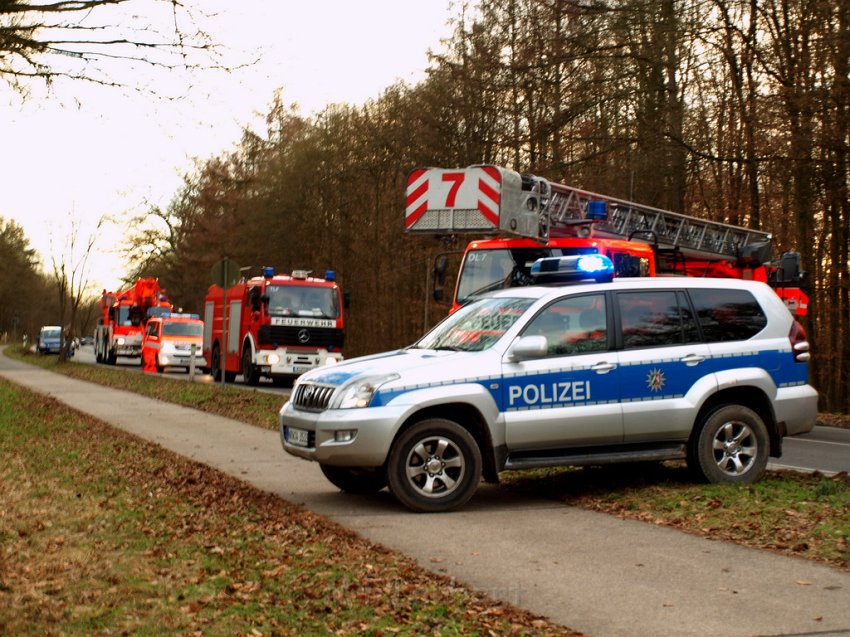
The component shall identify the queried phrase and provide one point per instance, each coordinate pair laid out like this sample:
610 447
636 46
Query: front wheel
434 466
355 479
732 446
250 372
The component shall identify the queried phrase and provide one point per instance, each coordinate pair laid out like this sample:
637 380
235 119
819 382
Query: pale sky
87 151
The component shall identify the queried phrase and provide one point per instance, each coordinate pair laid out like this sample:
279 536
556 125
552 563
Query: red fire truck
275 326
121 325
536 218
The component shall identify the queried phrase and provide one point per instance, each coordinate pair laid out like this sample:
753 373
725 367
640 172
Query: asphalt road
824 449
587 570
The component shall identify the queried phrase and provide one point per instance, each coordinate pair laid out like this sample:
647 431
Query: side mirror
346 300
528 348
438 294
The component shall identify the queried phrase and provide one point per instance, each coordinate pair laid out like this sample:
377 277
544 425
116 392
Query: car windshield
487 270
182 329
303 300
476 326
51 333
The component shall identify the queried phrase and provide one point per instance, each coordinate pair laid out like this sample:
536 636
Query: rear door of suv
664 366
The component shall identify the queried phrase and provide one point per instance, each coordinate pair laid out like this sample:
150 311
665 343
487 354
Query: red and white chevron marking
431 189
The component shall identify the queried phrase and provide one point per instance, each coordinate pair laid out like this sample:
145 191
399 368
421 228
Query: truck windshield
303 300
487 270
476 326
182 329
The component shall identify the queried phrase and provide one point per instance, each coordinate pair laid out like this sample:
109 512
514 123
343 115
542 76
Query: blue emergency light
330 275
268 272
573 268
597 210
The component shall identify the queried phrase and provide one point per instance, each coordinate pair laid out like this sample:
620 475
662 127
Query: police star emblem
655 380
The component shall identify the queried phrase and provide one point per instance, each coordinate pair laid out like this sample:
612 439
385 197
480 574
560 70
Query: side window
152 331
574 325
727 315
629 265
651 319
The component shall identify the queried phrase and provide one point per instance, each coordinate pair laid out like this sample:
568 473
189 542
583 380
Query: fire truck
536 218
275 326
121 325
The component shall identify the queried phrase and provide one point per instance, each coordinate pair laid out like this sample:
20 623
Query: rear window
727 315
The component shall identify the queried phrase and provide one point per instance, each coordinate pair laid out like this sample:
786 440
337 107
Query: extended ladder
491 199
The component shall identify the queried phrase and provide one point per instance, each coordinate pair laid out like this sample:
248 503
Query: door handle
603 368
692 359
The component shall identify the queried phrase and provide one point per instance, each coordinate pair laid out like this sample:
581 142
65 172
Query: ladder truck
535 218
121 324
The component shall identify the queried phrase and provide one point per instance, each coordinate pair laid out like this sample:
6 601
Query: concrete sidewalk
589 571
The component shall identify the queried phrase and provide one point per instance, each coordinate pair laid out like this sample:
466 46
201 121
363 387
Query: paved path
590 571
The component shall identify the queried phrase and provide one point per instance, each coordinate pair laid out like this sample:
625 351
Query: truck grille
310 397
327 337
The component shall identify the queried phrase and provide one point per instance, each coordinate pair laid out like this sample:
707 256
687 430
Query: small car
712 371
49 339
171 340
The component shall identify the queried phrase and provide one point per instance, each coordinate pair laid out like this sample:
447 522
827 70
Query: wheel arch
468 417
249 342
747 396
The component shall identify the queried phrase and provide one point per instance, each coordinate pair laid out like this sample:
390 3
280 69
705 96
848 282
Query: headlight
119 341
359 393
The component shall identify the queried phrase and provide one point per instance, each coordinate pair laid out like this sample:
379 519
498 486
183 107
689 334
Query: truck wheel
732 446
355 479
434 466
250 373
215 363
111 358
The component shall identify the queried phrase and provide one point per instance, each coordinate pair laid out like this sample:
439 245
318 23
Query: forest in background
730 110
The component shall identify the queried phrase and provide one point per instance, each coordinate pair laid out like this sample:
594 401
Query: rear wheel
732 446
434 466
216 363
355 479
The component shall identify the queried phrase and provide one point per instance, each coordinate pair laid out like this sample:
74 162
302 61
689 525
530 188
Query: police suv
710 370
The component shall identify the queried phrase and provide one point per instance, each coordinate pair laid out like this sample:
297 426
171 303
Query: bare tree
70 275
85 39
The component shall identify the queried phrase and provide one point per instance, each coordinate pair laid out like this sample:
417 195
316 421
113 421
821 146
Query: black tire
250 373
215 363
434 466
355 480
111 358
732 445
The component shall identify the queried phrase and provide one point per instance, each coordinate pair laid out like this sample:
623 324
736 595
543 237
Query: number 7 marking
457 179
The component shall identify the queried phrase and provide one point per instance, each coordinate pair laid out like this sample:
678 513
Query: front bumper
293 362
180 359
372 430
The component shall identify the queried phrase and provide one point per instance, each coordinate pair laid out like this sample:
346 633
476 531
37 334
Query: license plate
301 369
297 437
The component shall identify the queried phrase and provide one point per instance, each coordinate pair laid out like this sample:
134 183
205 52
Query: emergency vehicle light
597 209
268 272
330 275
572 268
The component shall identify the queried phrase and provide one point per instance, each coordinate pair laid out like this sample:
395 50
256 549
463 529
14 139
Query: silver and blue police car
712 371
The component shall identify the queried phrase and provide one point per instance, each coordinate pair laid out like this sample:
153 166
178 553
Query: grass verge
803 515
102 533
